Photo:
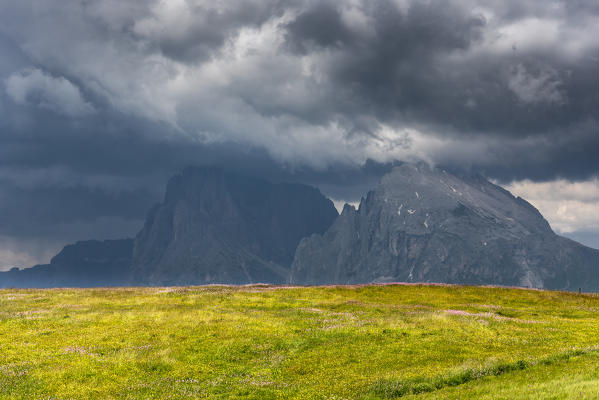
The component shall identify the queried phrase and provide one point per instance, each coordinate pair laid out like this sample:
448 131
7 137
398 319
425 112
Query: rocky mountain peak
216 226
421 197
424 224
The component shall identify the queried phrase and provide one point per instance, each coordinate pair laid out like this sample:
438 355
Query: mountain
423 224
83 264
420 224
219 227
212 227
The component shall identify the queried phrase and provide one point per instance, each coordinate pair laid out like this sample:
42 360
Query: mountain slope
219 227
424 224
88 263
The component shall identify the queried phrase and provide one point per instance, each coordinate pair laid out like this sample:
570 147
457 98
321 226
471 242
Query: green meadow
262 342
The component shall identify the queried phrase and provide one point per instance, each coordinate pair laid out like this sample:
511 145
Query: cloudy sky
101 101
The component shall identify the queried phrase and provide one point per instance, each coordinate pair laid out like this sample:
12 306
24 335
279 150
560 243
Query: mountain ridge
215 226
419 224
425 224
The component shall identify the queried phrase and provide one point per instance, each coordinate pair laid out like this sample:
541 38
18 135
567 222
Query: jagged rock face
218 227
427 225
90 263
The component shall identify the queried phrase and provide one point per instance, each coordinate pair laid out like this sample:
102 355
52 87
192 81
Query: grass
260 342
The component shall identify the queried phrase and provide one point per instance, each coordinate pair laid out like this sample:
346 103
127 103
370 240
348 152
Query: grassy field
258 342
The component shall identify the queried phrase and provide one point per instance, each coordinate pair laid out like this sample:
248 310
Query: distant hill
218 227
88 263
423 224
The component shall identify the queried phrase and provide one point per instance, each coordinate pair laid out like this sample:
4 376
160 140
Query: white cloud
339 204
568 206
528 34
35 87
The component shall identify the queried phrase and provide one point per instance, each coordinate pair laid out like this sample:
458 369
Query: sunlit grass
258 342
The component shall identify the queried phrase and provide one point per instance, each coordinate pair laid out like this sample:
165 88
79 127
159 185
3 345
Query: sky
101 101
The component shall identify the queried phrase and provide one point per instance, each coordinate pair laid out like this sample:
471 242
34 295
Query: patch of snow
452 188
426 224
417 195
399 209
410 211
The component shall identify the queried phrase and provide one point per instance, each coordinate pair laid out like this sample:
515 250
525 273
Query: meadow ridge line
267 286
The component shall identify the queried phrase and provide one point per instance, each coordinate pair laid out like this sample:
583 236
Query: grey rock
218 227
423 224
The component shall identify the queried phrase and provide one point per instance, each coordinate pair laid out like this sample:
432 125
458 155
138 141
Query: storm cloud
101 101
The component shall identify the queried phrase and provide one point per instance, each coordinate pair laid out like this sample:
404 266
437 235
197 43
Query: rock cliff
218 227
423 224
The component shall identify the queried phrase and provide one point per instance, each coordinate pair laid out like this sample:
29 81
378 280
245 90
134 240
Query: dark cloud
431 64
318 28
442 67
100 102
